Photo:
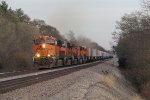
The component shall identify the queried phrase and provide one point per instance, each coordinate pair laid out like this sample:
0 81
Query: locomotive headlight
48 55
43 45
37 55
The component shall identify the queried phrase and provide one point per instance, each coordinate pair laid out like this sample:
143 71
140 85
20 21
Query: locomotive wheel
64 62
55 63
51 63
86 60
72 62
78 61
81 61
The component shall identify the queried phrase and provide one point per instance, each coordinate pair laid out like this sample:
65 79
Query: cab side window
59 43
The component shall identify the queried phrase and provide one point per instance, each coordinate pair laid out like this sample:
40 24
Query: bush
122 62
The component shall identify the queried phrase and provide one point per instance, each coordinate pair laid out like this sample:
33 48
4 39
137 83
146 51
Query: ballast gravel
101 82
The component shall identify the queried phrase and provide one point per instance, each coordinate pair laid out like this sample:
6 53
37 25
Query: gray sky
93 18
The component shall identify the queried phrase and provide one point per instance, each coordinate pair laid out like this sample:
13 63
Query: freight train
49 51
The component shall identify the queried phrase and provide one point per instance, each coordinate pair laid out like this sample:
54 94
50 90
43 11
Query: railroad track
15 73
14 82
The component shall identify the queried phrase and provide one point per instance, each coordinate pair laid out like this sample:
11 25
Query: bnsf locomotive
50 51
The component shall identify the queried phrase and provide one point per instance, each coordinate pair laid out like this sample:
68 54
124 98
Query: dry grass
109 80
137 98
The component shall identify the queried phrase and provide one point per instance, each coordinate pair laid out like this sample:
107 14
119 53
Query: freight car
50 51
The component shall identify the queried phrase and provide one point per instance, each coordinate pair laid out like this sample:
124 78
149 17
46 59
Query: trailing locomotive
49 51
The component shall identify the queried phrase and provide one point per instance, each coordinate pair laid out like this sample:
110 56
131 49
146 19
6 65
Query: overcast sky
93 18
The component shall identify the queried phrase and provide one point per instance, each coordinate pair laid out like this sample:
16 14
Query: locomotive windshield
37 42
50 42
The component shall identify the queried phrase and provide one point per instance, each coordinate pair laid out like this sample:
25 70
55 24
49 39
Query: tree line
132 36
